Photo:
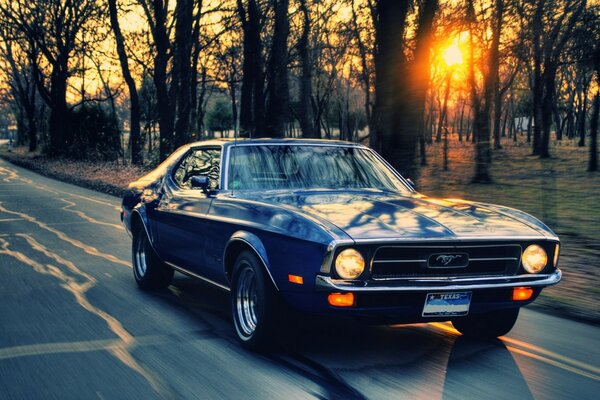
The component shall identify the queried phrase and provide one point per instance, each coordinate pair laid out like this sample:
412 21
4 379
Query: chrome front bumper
328 284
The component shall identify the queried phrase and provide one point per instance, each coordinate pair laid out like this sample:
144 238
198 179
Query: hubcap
140 257
246 301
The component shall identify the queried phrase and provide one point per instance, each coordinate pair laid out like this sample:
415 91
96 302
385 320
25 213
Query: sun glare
452 55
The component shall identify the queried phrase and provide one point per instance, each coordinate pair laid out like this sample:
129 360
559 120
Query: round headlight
534 259
349 264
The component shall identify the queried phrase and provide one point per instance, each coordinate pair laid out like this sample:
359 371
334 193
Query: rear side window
205 162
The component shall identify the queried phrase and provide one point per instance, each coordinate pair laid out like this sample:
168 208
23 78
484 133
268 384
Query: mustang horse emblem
446 259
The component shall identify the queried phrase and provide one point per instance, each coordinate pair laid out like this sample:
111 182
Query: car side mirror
411 183
200 182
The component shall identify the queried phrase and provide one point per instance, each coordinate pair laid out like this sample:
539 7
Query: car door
182 209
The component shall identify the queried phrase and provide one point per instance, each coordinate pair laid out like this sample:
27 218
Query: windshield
268 167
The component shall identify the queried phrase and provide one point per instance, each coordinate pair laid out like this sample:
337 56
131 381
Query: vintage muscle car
328 227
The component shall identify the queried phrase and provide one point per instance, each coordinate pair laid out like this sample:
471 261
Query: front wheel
149 271
488 325
253 302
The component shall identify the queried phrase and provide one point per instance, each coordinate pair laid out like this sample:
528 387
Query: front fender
246 239
139 211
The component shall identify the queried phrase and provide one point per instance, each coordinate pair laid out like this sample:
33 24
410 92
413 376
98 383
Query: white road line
61 235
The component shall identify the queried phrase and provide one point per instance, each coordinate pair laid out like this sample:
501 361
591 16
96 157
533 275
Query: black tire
149 271
488 325
253 303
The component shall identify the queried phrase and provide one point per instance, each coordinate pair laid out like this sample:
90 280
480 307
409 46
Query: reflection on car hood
379 215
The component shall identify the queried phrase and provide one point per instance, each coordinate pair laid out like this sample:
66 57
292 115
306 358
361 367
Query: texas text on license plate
447 304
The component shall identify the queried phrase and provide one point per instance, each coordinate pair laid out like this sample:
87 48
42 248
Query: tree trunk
135 137
593 161
481 109
364 73
460 125
161 58
200 104
581 117
196 48
58 111
252 93
495 70
400 87
443 124
557 122
538 91
547 103
31 126
390 86
184 13
305 116
420 74
279 94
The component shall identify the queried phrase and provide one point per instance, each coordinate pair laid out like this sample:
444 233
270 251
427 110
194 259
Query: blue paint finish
372 214
291 230
251 240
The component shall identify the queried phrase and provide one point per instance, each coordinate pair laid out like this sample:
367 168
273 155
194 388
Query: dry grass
108 177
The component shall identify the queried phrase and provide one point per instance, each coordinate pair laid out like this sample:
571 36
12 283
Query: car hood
383 215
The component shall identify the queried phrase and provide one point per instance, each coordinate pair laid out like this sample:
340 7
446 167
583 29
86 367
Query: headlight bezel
528 258
349 252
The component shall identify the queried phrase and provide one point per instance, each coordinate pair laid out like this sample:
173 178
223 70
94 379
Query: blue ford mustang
328 227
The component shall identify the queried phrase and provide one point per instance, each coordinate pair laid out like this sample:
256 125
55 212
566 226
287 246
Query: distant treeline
396 75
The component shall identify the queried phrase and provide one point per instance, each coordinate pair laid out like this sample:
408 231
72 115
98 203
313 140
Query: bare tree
552 25
22 87
135 137
52 30
156 12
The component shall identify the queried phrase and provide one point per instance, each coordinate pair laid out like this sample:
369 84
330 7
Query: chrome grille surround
410 261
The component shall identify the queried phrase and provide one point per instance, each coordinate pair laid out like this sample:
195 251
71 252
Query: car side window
205 162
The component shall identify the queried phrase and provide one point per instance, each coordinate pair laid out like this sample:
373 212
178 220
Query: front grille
430 261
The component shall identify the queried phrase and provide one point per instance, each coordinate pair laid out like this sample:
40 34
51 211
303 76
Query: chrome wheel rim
246 301
140 257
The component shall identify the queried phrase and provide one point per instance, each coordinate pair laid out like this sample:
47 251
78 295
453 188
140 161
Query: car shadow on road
353 361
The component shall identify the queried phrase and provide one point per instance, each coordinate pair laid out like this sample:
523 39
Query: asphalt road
73 325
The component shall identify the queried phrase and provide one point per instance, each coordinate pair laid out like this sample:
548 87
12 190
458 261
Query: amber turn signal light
522 293
341 299
295 279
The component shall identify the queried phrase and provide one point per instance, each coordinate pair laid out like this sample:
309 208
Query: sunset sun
452 55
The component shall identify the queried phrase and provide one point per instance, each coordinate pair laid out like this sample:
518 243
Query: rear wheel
488 325
149 271
253 302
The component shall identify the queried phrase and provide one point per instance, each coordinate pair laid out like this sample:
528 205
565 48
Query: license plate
447 304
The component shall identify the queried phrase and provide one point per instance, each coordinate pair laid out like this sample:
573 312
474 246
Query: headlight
349 264
534 259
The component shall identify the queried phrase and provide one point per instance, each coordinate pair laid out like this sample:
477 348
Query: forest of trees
80 76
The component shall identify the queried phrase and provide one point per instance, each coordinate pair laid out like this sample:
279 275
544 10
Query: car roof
265 141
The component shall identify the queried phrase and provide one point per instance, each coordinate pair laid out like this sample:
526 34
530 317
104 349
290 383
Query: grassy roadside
559 191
